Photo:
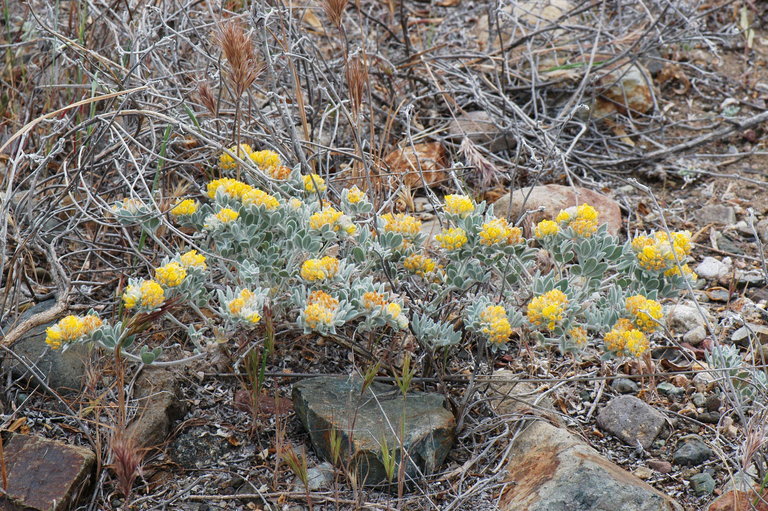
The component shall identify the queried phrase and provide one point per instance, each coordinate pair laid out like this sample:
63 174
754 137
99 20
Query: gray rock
364 422
714 269
693 452
670 390
320 477
44 475
716 214
510 397
698 399
709 417
702 484
624 386
684 317
552 198
660 466
552 470
158 392
62 370
632 420
481 129
750 277
695 336
762 229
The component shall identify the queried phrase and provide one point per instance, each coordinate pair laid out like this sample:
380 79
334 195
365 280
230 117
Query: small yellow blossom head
314 183
295 203
459 205
227 162
266 160
223 217
68 329
245 306
229 187
419 264
185 207
495 324
578 336
452 239
373 300
319 269
546 228
90 323
498 231
327 216
171 275
646 313
148 294
625 339
548 309
405 225
192 259
320 311
582 219
355 195
256 197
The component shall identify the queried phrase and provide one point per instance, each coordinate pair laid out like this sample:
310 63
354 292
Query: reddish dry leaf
408 164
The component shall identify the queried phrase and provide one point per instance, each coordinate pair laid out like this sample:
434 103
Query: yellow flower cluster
185 207
355 195
320 269
373 300
148 294
266 160
171 275
452 239
498 231
326 216
71 328
419 264
646 313
256 197
578 336
548 309
224 216
625 339
582 219
657 252
495 324
227 162
314 183
546 228
460 205
320 310
192 259
406 225
245 306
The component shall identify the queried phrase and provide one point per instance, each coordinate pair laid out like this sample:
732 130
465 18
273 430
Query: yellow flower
327 216
230 187
171 275
625 339
226 215
658 253
324 299
90 323
687 272
281 172
495 324
401 223
452 239
393 309
256 197
67 329
242 151
498 230
244 306
314 183
546 228
355 195
651 257
419 264
316 315
647 313
266 160
372 300
185 207
548 309
578 336
295 203
319 269
148 294
582 219
192 259
460 205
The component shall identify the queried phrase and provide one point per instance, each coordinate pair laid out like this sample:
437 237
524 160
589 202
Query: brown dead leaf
407 165
672 71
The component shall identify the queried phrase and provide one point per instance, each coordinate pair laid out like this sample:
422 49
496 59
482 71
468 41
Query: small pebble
703 484
699 400
660 466
692 452
624 386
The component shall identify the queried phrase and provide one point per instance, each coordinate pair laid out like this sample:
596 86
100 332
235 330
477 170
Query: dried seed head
357 77
244 63
206 97
334 9
127 458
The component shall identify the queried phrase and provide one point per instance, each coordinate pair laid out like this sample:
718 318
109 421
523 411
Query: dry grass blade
206 97
127 458
239 51
357 77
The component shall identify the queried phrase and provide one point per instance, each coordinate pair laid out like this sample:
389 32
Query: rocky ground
673 139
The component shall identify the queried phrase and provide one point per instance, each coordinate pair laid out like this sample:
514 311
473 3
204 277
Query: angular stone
702 484
714 269
661 466
624 386
510 397
480 128
716 214
737 500
632 420
160 405
364 422
695 336
61 370
684 317
552 198
693 452
44 475
552 470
